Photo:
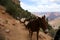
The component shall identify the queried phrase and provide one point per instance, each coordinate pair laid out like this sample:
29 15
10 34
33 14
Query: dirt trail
17 29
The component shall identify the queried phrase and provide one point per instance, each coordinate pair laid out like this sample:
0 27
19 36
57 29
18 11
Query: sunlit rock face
55 23
50 15
16 1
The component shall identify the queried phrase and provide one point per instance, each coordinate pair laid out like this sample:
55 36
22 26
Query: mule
35 25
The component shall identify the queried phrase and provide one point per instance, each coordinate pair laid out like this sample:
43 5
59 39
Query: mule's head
44 24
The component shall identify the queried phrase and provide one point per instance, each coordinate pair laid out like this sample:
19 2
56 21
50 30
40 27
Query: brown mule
35 25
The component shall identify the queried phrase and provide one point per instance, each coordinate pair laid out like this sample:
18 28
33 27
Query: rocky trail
12 29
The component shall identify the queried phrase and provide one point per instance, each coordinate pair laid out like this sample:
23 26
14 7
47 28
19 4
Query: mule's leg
37 34
30 35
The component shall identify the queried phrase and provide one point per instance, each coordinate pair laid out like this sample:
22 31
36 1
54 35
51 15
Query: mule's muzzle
46 31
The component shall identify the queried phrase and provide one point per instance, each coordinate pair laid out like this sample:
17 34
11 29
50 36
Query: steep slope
14 30
55 23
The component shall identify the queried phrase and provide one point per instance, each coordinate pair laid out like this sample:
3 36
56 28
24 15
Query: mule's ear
43 17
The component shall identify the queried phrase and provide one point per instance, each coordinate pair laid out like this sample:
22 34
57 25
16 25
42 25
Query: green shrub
52 32
10 7
15 9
